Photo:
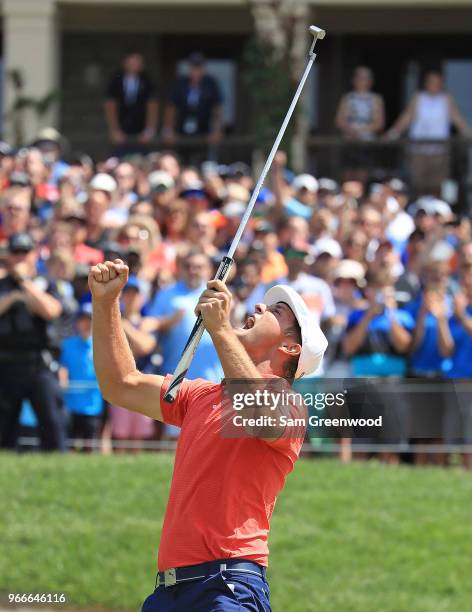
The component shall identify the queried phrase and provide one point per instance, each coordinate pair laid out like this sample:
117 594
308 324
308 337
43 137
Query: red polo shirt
223 490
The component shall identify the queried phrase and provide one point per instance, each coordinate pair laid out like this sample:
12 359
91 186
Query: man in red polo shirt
213 551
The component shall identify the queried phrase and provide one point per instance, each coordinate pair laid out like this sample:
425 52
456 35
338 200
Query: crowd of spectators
388 276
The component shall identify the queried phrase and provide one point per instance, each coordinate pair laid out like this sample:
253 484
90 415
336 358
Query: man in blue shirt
83 398
193 272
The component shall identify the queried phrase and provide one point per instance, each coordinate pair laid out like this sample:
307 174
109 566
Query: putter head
317 32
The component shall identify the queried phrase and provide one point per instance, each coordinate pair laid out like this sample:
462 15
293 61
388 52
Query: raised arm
418 332
119 380
214 306
399 336
355 338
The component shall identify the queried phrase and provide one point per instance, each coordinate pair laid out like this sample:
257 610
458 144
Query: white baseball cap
305 181
329 245
103 182
351 269
314 341
431 206
159 179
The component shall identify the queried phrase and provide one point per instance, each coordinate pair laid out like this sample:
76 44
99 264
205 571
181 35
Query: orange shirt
223 490
274 268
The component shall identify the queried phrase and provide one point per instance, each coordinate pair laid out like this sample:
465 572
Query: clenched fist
215 305
106 280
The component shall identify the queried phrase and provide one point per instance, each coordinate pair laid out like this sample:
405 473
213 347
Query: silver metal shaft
270 159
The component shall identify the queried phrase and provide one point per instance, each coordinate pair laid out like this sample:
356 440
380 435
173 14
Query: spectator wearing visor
28 306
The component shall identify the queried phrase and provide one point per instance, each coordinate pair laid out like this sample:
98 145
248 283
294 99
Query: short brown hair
291 365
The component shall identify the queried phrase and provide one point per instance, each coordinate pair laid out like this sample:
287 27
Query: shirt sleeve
114 89
173 413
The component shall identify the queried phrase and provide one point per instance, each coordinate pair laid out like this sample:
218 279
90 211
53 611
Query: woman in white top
429 116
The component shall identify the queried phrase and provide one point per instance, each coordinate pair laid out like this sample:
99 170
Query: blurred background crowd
382 259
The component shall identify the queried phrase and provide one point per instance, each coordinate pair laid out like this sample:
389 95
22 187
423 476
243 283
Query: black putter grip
194 339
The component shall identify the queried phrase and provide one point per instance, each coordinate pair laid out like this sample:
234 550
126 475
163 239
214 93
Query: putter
225 266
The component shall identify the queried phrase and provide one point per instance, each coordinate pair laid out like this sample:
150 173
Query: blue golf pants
228 590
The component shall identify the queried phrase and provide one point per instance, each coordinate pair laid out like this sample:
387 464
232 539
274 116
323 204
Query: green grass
361 538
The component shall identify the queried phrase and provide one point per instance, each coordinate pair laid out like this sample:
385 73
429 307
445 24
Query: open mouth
249 323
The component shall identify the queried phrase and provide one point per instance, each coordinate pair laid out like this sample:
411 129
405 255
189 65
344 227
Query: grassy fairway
361 538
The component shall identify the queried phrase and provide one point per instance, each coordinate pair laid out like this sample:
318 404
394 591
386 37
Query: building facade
73 46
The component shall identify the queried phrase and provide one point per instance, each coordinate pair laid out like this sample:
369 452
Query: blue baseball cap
265 196
133 283
85 310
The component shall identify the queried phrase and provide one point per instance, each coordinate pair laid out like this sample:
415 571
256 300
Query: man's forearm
151 115
7 301
112 356
169 119
217 122
111 115
445 340
44 305
399 336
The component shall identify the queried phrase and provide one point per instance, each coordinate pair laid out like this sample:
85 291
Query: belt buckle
170 577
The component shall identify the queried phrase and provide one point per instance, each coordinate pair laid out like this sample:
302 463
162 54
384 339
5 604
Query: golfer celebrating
213 552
